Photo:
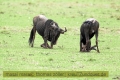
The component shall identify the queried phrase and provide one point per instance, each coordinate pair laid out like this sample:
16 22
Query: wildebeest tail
31 37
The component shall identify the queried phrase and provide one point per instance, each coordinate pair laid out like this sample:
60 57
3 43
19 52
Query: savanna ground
16 22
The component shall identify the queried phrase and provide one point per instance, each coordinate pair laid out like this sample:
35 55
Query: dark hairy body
88 29
47 28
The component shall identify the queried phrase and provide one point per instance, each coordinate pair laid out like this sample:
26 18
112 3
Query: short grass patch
16 22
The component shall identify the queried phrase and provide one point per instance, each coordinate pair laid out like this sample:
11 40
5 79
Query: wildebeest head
53 31
53 26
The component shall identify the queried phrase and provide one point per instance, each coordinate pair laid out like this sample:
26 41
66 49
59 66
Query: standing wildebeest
47 28
88 29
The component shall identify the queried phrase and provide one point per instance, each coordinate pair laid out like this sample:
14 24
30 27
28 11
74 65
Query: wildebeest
88 29
47 28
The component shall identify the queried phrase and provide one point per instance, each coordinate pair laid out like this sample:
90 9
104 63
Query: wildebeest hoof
83 50
98 51
50 47
31 45
44 46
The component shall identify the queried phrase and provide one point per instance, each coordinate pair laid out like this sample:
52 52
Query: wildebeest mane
47 32
50 32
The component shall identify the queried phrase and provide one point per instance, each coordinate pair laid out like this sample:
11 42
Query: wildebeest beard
53 35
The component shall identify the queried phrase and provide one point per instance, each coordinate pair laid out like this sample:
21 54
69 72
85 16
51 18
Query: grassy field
16 22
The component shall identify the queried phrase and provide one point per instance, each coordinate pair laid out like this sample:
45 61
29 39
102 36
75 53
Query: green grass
16 22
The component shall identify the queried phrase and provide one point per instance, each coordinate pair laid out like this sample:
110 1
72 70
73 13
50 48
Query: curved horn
62 31
65 30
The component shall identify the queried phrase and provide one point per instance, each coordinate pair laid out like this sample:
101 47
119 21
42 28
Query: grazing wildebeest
88 29
47 28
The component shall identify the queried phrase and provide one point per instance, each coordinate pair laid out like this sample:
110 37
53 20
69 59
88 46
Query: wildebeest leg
87 41
81 43
51 46
93 47
34 32
48 45
45 41
89 44
80 46
96 36
90 48
83 48
53 39
43 45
